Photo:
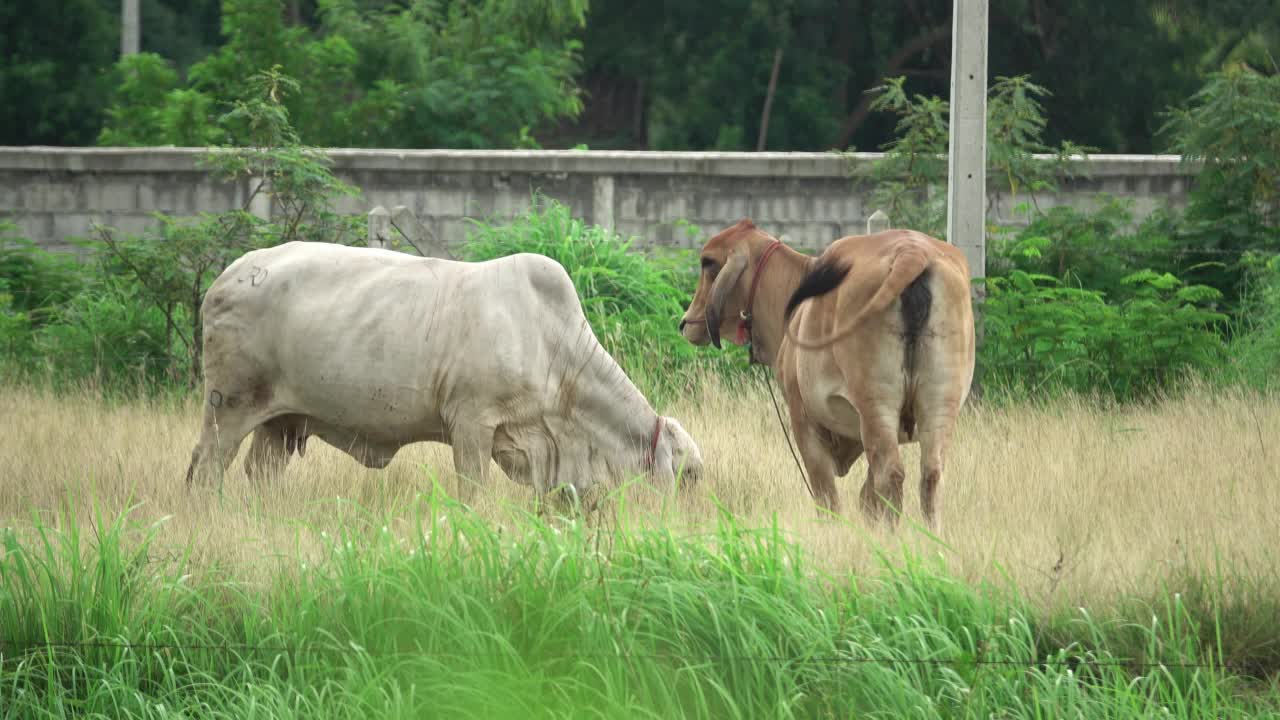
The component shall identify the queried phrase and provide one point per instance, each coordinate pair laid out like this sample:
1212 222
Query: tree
694 75
424 73
53 76
174 265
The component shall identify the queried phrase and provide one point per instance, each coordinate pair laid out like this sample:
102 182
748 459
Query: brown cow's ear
724 284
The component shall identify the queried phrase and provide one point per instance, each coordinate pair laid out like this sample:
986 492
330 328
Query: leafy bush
176 264
414 74
15 333
1094 249
1044 336
633 302
910 181
1231 126
112 335
35 279
1256 346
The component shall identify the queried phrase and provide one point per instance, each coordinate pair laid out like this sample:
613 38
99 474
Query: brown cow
882 352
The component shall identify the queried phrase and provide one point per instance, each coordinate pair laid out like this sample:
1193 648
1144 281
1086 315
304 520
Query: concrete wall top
589 162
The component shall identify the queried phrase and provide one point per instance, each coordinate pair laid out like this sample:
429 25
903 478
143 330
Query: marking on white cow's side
257 276
215 398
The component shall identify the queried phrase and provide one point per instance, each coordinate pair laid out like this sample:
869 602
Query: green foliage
910 181
905 183
175 265
36 279
1256 348
438 612
464 75
111 335
149 105
52 85
65 321
685 78
15 335
633 302
1089 249
1042 336
1231 126
424 73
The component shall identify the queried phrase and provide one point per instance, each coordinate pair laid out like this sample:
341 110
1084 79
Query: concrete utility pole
967 153
967 162
130 22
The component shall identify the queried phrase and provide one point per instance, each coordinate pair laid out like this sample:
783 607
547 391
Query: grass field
1135 535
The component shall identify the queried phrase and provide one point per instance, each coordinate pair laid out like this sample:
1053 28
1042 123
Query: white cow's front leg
472 444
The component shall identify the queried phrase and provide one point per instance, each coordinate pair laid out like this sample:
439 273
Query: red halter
744 317
652 456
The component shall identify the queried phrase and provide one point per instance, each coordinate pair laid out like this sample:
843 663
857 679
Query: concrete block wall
55 193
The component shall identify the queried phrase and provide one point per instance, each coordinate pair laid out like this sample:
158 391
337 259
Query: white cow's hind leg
220 439
269 452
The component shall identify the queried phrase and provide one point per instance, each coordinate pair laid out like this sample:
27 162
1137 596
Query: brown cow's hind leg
935 440
882 492
818 462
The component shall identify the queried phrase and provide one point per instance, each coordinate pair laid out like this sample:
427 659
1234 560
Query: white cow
371 350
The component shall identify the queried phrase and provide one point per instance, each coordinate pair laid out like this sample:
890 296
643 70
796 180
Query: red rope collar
652 456
744 316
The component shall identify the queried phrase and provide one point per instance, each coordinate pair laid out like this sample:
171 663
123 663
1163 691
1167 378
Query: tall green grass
634 300
458 618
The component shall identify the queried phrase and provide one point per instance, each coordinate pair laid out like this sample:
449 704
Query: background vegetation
1081 300
1077 300
680 76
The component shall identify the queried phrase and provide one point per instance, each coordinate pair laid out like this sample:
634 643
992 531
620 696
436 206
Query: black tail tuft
821 280
916 301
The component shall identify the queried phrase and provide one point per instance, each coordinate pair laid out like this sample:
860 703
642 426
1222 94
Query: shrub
1090 249
15 332
1231 127
1044 336
173 266
109 334
35 279
910 181
1255 349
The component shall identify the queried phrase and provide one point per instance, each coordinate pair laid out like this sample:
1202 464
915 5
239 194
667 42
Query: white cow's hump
266 279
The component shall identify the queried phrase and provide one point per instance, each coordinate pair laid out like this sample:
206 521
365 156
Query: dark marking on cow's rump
215 398
257 276
916 300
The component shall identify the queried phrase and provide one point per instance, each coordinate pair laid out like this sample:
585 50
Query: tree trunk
768 101
893 67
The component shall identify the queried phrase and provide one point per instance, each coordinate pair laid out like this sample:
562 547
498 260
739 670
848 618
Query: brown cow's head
722 286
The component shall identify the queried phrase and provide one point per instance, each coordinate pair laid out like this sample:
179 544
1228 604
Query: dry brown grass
1114 499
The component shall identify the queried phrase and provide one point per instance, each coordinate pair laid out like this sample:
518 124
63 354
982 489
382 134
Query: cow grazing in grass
872 342
371 350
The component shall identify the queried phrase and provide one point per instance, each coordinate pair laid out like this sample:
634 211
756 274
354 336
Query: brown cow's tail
908 266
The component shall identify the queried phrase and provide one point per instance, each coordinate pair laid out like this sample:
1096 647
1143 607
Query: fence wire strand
1069 663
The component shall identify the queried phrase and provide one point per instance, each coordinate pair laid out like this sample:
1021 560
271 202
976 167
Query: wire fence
843 659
